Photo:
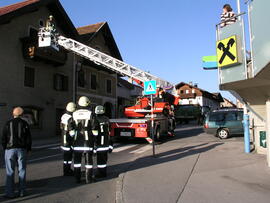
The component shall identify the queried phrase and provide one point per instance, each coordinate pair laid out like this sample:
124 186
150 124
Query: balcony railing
187 96
49 55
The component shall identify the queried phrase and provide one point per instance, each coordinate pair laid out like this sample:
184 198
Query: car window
216 117
240 116
231 116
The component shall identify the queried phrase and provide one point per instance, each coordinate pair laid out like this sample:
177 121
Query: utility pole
268 130
238 6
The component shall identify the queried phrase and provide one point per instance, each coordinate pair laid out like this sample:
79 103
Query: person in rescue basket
103 142
227 16
83 139
68 131
16 141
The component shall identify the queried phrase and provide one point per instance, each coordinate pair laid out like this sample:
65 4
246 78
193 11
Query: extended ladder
48 38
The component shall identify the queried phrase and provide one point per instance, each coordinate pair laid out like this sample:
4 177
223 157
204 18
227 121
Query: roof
88 32
228 109
88 29
7 13
230 102
216 96
13 7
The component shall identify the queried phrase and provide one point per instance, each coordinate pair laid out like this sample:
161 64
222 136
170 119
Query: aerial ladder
137 116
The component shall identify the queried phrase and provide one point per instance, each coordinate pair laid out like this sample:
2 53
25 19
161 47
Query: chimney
190 83
195 84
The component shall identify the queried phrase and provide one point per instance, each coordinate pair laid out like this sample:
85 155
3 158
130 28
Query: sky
166 37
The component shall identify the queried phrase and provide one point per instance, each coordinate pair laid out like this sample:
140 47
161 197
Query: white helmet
84 101
71 107
99 110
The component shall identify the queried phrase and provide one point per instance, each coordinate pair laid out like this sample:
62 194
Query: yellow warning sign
227 53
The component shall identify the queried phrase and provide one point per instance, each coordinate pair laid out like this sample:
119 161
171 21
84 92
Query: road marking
141 150
123 148
42 158
44 146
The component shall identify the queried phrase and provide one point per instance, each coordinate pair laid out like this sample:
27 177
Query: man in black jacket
16 141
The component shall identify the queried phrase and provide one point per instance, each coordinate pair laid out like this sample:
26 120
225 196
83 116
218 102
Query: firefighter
171 120
103 142
83 139
68 132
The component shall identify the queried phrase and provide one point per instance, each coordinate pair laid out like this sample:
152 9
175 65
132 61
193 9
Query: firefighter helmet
84 101
99 110
71 107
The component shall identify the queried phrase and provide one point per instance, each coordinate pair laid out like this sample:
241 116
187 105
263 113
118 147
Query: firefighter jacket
84 138
67 126
102 126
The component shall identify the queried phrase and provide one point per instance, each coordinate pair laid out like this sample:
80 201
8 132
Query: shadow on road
43 187
53 185
161 158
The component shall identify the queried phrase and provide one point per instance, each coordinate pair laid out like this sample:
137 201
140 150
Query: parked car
224 123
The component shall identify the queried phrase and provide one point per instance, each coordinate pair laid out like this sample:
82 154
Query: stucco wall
12 64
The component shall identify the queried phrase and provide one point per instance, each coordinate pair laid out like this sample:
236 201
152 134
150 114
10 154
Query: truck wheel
223 133
157 134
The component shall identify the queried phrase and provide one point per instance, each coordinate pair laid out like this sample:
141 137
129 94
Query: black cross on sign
226 50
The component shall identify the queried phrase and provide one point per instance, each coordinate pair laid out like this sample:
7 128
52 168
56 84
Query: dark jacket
16 134
102 125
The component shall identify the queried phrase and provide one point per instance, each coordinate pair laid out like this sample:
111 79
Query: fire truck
138 117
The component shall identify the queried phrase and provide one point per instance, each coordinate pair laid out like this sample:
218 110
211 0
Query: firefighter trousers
88 165
67 156
102 158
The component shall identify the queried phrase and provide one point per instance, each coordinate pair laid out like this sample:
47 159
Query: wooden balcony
187 96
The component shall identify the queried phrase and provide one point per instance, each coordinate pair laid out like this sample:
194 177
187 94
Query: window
231 116
93 81
240 116
33 33
60 82
109 86
217 117
187 91
193 91
29 77
181 91
81 78
32 115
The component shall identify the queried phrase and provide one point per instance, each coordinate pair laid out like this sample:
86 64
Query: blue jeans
12 158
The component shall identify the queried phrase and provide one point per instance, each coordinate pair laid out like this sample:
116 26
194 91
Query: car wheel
157 134
223 133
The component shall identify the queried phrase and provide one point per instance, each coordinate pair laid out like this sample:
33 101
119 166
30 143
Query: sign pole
152 126
150 88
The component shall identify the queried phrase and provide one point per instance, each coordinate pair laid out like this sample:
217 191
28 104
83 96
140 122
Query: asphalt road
45 182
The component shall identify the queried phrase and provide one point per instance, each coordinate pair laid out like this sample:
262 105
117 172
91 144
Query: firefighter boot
77 173
102 173
89 176
67 170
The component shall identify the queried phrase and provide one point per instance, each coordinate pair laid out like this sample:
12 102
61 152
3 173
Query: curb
119 188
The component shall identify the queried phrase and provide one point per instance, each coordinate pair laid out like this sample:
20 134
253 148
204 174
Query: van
224 122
